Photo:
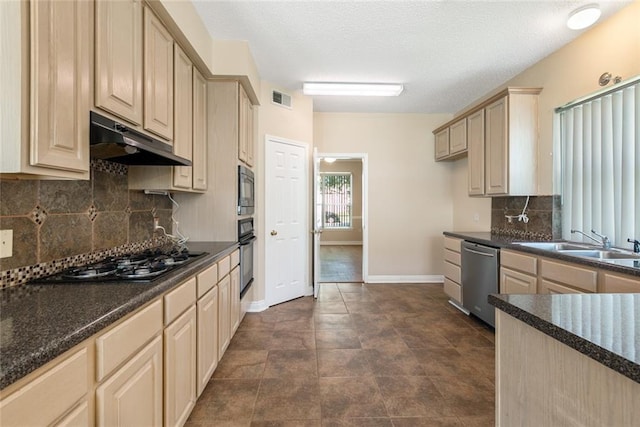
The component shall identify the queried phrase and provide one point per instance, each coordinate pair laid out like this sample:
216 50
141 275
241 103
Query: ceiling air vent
281 99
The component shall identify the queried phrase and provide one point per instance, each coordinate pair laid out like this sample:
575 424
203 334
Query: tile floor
361 355
341 263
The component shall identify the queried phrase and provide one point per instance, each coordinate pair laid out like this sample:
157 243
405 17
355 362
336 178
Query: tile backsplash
544 212
56 223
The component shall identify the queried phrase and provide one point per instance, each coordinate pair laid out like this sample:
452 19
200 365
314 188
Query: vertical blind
336 199
600 146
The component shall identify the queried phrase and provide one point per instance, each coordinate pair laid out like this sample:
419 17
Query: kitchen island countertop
40 322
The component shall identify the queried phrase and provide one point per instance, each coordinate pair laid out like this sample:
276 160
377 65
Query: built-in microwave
246 191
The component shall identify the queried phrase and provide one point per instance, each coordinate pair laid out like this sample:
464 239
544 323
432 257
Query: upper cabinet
245 128
46 89
501 136
118 56
199 167
442 143
183 141
451 140
158 77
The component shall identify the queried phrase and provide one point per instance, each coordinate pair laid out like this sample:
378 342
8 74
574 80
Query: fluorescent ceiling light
352 89
583 17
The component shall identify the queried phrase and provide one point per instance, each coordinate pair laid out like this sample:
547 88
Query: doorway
342 251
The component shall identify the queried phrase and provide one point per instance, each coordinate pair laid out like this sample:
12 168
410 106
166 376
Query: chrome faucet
636 245
605 242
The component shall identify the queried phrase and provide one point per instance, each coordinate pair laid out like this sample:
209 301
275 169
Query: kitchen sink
600 254
556 246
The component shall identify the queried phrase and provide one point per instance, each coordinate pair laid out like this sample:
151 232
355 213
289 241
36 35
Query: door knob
274 232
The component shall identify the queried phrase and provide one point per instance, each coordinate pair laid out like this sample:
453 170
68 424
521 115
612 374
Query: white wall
410 200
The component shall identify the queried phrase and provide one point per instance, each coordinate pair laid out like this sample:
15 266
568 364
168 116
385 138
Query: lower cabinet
235 299
514 282
224 315
133 395
207 337
617 284
180 368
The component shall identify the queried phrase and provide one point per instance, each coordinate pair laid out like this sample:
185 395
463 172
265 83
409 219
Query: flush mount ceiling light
352 89
329 159
583 17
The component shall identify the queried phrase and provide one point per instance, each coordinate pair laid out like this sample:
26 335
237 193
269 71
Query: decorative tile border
109 167
522 234
22 275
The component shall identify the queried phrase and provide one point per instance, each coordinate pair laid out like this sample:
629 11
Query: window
336 199
600 143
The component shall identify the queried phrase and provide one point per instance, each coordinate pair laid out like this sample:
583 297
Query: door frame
364 157
271 139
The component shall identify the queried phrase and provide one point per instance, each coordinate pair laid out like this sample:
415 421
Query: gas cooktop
140 267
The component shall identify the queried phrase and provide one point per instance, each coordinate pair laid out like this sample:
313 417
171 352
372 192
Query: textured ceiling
446 53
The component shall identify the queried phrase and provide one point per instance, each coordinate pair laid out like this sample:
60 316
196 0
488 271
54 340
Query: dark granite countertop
604 327
40 322
627 266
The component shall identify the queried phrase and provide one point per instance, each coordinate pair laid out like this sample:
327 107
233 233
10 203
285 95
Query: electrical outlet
476 217
6 243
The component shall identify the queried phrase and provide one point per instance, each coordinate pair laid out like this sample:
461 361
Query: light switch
6 243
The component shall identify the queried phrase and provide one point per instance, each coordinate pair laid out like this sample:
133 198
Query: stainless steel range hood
115 142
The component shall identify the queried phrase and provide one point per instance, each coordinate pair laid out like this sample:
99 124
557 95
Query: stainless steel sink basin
600 254
556 246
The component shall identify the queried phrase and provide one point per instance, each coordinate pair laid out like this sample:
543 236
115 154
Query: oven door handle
247 241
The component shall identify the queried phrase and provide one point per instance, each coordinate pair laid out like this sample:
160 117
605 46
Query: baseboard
340 243
405 279
257 306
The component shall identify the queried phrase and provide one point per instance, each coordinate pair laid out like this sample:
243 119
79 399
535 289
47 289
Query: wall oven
246 191
246 238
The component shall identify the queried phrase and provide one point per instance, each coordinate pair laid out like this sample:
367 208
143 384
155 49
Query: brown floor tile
411 397
293 340
333 321
241 364
358 296
421 337
351 287
381 339
251 340
287 423
330 307
444 362
393 362
343 363
337 338
428 422
362 306
351 397
260 321
478 421
288 399
291 364
465 339
229 401
357 422
468 396
370 321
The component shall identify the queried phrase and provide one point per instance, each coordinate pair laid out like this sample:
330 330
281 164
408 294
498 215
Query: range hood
115 142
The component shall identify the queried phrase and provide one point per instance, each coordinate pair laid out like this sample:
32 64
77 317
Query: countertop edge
601 355
28 363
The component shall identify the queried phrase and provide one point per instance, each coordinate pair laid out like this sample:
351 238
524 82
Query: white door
317 222
286 219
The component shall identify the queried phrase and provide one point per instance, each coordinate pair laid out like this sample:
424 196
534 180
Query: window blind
600 149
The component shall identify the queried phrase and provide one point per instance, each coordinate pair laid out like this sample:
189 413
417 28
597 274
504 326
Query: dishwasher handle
490 255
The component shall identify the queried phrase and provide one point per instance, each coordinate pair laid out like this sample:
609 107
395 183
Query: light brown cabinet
458 137
245 128
183 117
475 140
118 56
158 77
563 277
442 144
452 271
199 167
224 315
619 284
451 140
46 88
518 273
207 337
235 299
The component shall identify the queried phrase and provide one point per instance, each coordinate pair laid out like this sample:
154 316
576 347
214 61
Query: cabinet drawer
452 272
452 257
453 289
452 244
178 300
235 258
50 395
547 287
224 267
519 261
207 280
577 277
614 284
117 345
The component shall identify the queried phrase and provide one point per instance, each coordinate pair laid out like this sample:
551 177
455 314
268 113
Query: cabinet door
199 131
183 131
442 144
250 135
133 395
78 417
513 282
458 137
235 299
118 56
180 368
475 139
243 138
614 284
548 287
496 140
224 317
158 77
207 337
61 38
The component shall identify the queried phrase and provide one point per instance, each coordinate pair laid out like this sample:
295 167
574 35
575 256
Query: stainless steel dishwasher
479 279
